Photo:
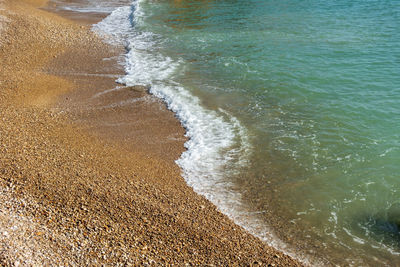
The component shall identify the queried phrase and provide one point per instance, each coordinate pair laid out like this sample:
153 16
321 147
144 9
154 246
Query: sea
293 113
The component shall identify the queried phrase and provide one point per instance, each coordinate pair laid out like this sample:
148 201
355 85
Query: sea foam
216 137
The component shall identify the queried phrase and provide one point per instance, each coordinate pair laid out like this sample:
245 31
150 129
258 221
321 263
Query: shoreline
96 194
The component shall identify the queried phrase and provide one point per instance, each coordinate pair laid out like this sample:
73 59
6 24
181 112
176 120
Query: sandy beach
87 178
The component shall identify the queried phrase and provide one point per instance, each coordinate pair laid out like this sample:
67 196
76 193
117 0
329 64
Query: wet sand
87 172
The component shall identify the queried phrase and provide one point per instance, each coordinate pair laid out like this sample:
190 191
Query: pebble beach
85 180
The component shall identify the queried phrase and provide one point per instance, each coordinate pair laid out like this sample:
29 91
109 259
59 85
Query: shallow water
293 110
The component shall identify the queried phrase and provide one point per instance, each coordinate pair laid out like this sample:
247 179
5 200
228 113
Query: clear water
293 109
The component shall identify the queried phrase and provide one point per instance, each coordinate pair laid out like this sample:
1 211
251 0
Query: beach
85 178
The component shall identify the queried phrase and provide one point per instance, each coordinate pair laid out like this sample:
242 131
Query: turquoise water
314 86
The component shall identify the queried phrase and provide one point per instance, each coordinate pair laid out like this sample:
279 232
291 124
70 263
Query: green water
316 83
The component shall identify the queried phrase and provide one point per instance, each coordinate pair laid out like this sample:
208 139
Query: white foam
210 131
218 144
116 27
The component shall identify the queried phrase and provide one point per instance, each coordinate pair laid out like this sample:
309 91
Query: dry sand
86 178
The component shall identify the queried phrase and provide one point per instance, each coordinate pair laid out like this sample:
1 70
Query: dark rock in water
384 227
394 214
139 88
